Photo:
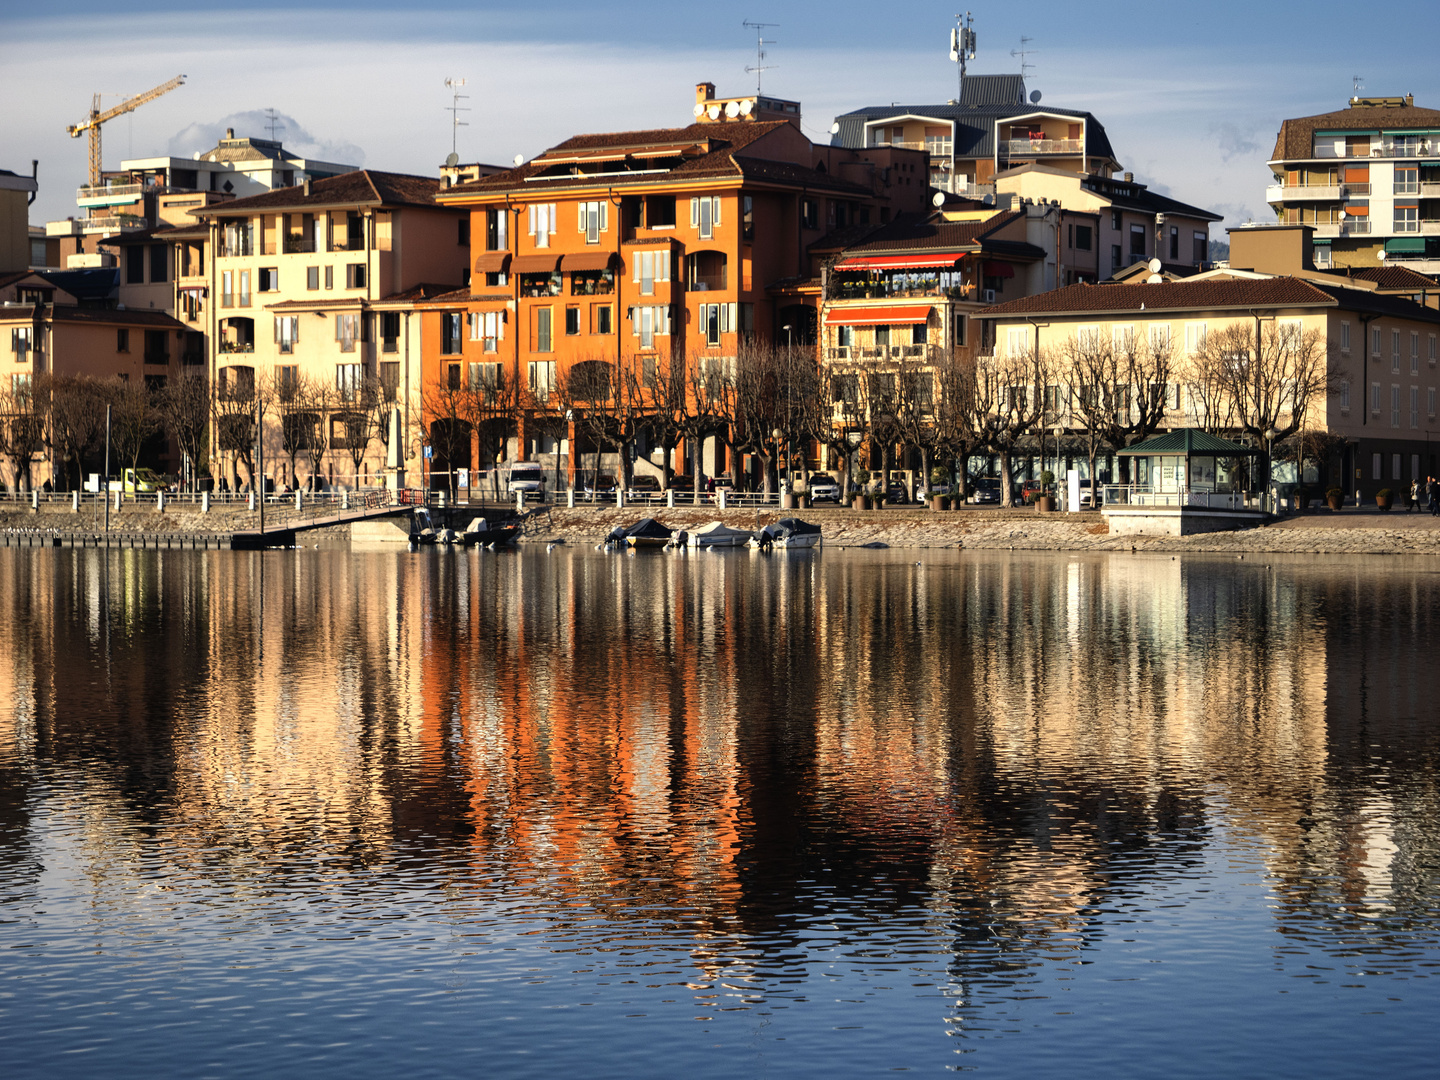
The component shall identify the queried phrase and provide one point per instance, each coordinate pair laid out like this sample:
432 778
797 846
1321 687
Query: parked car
1030 490
643 487
823 486
932 490
986 489
1092 494
139 482
599 487
897 492
526 477
719 484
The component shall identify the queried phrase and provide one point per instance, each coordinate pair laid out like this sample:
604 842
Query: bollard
519 502
34 500
619 499
722 498
299 500
160 501
119 499
345 500
251 501
205 502
75 502
570 498
670 498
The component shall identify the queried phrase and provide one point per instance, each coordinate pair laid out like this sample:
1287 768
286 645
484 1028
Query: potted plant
1383 498
862 498
1302 499
1334 498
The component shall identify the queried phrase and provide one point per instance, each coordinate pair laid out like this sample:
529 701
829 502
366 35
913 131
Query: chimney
306 187
1409 100
229 133
1129 178
704 92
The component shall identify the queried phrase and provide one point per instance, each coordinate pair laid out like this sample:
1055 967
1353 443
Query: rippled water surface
834 814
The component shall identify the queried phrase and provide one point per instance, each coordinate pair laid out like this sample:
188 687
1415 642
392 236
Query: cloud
1235 143
203 136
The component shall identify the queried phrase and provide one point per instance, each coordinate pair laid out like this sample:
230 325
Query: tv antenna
760 66
1357 83
272 123
962 46
1022 52
455 109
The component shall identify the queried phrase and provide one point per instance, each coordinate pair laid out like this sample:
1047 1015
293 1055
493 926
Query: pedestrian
1413 501
1432 488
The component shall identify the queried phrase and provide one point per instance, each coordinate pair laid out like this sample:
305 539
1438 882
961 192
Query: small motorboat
647 532
787 533
481 533
716 535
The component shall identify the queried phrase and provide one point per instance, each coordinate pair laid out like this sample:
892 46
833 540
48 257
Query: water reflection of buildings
724 745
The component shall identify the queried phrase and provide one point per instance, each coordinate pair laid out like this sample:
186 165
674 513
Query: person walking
1432 489
1413 501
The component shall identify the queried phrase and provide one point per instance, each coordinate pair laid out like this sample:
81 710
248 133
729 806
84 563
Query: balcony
1025 147
295 244
1421 264
1430 227
192 358
237 346
839 352
109 194
110 223
1288 192
157 357
1350 227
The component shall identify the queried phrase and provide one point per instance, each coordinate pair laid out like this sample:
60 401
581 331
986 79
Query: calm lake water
824 814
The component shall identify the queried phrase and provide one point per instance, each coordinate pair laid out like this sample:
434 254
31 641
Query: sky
1192 95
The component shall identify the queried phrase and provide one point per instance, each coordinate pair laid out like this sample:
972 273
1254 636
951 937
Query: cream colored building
296 285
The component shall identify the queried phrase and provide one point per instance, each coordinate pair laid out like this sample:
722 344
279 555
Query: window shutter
662 271
605 215
694 213
634 322
277 329
715 212
635 262
532 220
338 320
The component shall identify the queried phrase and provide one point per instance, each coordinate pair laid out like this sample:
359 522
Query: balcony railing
157 357
237 346
103 191
1350 227
839 352
1429 191
1288 192
1377 150
1430 227
192 358
1146 495
298 245
1043 146
1407 227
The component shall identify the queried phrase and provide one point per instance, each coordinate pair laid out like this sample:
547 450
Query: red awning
491 262
535 264
998 269
879 316
587 260
900 262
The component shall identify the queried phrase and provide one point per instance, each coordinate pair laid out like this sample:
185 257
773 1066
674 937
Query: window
237 383
287 332
1430 403
1194 338
390 379
1395 466
355 276
541 377
809 218
122 340
1082 237
354 231
1116 257
1017 341
1115 220
647 322
135 265
1407 178
844 336
1375 398
594 218
487 327
347 330
487 377
650 267
497 230
21 341
227 288
268 279
452 376
347 381
159 263
1345 395
1394 350
244 291
601 319
1160 339
1432 351
1394 405
882 336
747 217
1414 352
572 320
1137 240
1122 339
1376 471
1375 340
329 277
20 386
961 329
542 329
1414 406
1407 217
705 215
389 331
542 223
1200 247
660 212
312 277
462 230
1345 336
450 344
1174 243
287 381
238 239
716 319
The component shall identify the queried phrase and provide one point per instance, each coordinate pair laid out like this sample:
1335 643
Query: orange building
626 251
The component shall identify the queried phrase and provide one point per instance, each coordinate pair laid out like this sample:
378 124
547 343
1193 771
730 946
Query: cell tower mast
962 46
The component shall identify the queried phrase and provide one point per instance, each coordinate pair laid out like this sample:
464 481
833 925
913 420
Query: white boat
787 533
717 535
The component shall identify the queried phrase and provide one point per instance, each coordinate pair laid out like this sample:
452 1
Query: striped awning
587 260
878 316
491 262
932 261
535 264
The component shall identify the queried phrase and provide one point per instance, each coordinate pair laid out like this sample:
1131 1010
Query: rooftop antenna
760 66
962 46
1357 83
455 109
1022 52
273 123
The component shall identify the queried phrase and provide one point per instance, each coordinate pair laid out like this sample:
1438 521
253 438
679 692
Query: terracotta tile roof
723 141
427 290
365 187
910 234
1208 295
785 172
113 316
1395 277
1296 138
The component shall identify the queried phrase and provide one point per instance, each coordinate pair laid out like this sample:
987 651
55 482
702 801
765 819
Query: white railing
100 191
1430 191
1406 227
1146 495
1044 146
1430 227
1283 192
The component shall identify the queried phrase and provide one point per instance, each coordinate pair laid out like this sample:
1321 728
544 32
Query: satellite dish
1154 279
732 109
989 200
1155 265
1382 255
938 198
699 109
452 159
713 112
835 128
747 107
519 159
1034 97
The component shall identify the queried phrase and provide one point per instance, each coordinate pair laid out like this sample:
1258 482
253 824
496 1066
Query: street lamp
1271 434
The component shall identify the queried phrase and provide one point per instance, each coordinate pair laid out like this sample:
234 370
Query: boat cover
718 534
790 527
649 529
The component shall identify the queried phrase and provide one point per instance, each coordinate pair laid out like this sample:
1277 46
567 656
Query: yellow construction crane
96 118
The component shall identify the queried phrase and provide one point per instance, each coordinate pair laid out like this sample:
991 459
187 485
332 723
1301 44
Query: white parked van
527 477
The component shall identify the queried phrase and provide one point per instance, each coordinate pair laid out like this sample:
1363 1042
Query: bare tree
493 405
1010 395
1270 374
1118 388
77 421
701 392
184 406
236 409
134 418
22 425
956 416
604 405
837 417
308 417
444 411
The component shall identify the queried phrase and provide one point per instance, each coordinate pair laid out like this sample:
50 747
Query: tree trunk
1007 497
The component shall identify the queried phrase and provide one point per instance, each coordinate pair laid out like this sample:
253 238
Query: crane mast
92 122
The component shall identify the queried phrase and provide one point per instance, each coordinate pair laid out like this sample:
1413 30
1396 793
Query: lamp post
1271 434
777 435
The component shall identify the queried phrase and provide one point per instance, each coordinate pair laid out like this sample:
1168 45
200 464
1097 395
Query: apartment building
992 127
629 250
1376 411
16 195
294 280
1367 179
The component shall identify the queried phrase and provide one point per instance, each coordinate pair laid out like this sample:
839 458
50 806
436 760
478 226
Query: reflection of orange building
609 255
